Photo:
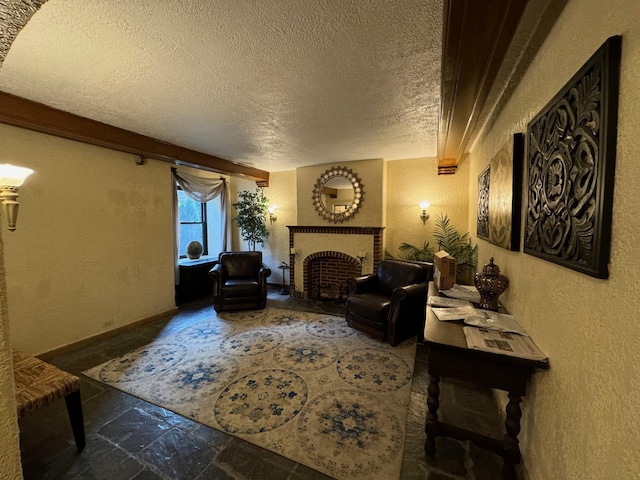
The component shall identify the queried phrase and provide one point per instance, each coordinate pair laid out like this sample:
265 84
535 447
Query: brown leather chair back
241 264
393 274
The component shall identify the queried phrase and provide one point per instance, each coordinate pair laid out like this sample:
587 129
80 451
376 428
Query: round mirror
337 194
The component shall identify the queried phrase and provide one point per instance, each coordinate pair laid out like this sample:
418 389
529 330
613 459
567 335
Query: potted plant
454 243
253 211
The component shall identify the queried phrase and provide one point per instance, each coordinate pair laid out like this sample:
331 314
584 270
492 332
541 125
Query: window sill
187 262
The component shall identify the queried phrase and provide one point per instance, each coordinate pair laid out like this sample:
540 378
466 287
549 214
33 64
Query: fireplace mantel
304 241
333 229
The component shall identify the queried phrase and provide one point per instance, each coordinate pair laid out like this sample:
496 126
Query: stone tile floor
128 438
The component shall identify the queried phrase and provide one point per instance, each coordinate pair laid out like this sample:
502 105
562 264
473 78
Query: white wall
94 245
582 417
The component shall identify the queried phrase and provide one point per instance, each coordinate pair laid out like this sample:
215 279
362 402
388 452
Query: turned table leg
510 442
431 426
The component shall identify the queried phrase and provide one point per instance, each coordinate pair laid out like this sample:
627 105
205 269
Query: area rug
303 385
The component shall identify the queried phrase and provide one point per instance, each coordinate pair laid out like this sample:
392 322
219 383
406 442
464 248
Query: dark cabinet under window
194 280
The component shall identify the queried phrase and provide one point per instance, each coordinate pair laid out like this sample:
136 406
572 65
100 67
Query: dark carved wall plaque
570 166
482 230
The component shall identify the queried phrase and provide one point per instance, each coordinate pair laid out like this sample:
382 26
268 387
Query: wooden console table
449 356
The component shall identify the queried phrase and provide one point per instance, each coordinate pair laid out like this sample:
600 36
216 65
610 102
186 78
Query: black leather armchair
390 304
239 281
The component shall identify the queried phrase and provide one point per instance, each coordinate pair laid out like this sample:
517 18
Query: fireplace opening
326 275
331 291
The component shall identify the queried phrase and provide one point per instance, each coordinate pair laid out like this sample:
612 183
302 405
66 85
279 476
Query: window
193 223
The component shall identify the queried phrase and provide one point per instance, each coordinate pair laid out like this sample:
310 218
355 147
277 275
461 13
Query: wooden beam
24 113
476 37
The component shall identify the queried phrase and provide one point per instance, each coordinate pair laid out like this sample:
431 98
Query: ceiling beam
476 38
24 113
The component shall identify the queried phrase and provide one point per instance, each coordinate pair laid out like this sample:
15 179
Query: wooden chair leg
74 409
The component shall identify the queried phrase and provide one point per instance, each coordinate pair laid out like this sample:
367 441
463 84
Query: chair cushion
241 264
372 306
393 274
241 287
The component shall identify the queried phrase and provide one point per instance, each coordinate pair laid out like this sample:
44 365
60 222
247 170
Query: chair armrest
407 312
413 292
264 272
216 272
362 284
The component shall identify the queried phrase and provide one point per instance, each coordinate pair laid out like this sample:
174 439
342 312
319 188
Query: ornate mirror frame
358 194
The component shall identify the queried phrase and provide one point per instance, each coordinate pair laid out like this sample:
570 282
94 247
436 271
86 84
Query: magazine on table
503 322
503 343
453 313
463 292
446 302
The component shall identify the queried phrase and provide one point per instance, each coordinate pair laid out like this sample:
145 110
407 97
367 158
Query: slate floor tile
134 430
178 455
253 463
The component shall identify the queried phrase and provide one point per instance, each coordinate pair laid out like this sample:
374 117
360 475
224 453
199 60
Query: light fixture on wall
424 205
293 252
11 177
362 256
272 214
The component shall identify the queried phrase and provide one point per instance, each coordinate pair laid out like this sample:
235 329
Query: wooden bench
39 383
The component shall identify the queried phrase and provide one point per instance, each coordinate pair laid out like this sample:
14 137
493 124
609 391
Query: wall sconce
11 177
424 205
272 214
362 256
293 252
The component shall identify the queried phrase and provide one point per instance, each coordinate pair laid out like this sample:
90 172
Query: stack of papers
503 343
487 331
502 322
452 309
455 313
463 292
447 302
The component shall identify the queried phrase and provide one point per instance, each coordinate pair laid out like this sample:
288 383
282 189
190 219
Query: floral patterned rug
304 385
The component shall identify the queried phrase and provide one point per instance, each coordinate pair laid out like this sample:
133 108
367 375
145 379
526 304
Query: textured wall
10 468
409 182
94 246
581 418
281 192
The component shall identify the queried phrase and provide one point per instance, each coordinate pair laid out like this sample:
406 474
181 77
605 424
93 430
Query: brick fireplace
325 274
327 255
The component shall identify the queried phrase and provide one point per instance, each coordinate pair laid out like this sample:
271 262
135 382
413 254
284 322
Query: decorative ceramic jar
491 284
194 250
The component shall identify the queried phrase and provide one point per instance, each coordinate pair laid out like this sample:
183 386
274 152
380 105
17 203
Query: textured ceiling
275 84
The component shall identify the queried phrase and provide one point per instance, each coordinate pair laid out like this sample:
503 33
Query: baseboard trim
46 356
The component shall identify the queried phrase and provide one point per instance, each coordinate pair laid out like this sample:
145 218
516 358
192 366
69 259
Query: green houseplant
453 242
252 213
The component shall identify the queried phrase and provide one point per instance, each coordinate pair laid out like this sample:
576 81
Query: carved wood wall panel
571 164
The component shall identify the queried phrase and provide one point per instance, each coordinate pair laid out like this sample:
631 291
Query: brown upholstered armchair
239 281
391 303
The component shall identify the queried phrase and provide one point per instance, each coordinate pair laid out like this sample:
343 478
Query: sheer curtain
200 190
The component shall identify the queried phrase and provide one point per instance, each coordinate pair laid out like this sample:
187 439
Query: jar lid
490 268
